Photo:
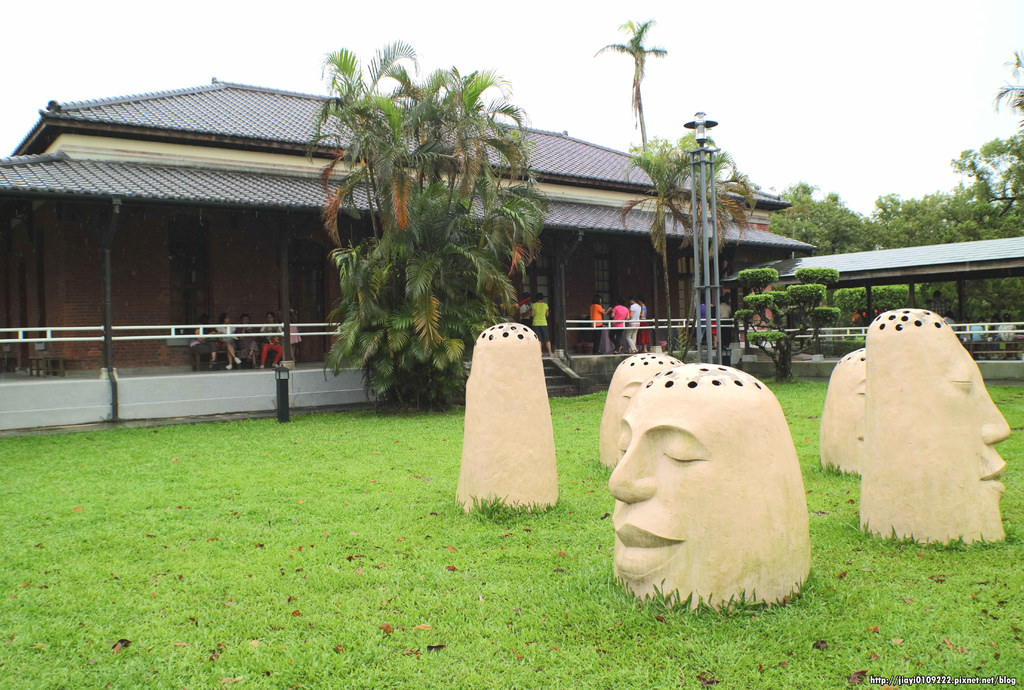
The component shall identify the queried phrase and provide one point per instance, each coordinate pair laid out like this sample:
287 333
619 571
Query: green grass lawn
330 552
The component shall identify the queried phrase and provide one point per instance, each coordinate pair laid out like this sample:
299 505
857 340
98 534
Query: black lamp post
704 212
281 375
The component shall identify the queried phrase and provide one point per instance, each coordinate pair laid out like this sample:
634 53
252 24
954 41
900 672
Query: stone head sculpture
508 450
629 376
842 420
930 469
710 503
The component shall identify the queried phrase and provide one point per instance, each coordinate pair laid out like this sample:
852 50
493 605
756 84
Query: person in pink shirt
619 315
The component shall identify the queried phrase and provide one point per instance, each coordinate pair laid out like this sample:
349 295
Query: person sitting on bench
272 343
200 345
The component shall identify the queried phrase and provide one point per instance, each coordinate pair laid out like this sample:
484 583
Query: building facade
160 208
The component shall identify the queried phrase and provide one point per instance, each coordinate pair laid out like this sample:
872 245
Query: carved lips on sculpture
709 500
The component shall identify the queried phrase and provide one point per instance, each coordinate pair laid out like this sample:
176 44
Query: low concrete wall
61 402
53 402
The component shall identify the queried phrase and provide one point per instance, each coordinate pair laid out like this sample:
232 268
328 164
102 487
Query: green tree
443 165
826 223
635 48
783 319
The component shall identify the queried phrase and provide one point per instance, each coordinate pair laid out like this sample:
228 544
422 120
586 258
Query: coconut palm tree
1013 94
636 49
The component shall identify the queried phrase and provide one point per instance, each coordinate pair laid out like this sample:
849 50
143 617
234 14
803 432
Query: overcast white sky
860 98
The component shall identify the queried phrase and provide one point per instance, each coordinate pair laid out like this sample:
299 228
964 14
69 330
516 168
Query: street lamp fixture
700 124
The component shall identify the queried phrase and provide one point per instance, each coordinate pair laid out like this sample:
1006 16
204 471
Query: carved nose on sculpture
629 485
995 432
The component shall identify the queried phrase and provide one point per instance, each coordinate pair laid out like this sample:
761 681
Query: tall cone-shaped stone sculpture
631 373
930 472
508 451
841 443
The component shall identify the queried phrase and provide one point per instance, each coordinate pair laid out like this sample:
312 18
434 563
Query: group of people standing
243 342
626 334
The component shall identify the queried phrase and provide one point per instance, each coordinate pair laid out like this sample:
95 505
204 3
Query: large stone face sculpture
631 373
842 420
508 450
709 499
930 469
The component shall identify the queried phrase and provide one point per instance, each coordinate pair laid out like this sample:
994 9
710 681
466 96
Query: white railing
606 324
179 332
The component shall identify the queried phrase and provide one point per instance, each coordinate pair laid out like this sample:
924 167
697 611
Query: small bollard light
281 375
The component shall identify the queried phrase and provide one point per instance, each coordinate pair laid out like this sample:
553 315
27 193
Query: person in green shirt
540 321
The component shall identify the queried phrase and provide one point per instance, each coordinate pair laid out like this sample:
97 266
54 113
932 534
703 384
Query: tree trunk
784 359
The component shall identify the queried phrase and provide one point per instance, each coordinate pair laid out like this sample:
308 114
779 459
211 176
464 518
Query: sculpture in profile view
930 470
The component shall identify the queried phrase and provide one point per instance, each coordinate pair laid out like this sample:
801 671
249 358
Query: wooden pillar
960 300
284 296
913 295
106 245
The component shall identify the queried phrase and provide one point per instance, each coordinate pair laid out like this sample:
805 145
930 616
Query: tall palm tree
1013 94
636 49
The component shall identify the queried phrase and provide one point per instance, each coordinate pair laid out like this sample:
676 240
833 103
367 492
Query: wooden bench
46 365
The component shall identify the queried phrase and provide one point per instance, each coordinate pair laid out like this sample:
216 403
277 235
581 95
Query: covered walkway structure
955 262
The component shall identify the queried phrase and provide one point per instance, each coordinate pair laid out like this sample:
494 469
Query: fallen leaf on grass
227 681
820 644
660 619
254 643
873 628
874 657
435 647
424 626
40 645
77 509
386 627
451 568
907 601
707 679
958 650
296 612
119 645
841 575
897 640
857 677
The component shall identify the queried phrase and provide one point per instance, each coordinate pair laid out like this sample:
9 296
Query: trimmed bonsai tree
779 321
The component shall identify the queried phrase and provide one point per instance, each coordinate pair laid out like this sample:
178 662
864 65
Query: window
188 251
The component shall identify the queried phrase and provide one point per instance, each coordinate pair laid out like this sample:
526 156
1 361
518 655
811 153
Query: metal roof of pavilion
929 263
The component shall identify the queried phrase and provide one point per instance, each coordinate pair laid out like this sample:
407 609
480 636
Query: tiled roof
569 215
58 175
269 115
